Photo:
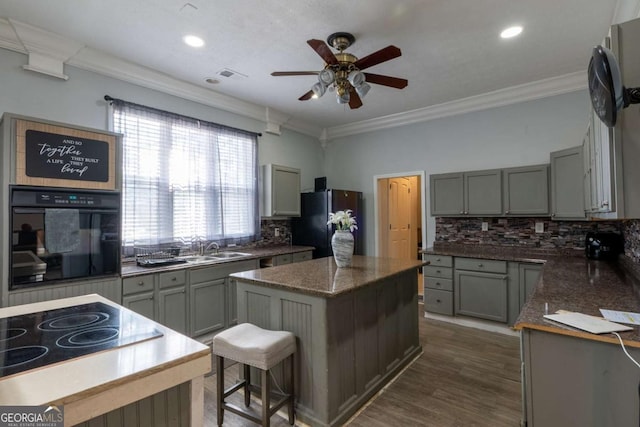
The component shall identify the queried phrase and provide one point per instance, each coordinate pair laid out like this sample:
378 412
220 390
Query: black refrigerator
311 228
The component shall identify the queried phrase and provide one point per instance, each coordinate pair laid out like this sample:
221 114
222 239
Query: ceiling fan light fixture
326 76
363 89
318 89
510 32
356 78
342 96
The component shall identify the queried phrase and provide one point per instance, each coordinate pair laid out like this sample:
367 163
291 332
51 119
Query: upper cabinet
469 193
494 192
281 191
526 190
567 184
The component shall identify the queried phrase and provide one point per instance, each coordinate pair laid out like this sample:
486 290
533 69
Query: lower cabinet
482 295
207 306
172 308
143 303
528 275
438 284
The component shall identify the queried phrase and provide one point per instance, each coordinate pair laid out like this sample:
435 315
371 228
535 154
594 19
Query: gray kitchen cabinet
301 256
283 259
138 294
438 284
483 192
529 274
567 184
172 308
470 193
281 191
446 191
526 190
481 288
143 303
172 300
571 381
207 306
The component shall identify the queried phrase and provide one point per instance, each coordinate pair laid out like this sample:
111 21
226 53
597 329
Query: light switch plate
276 232
485 226
539 227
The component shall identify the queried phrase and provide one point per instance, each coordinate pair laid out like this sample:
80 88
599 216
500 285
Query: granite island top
569 281
321 276
132 270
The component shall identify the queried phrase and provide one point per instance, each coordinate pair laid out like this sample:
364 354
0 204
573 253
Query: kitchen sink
226 255
214 257
198 258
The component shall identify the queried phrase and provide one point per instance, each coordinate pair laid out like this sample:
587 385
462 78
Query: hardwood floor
465 377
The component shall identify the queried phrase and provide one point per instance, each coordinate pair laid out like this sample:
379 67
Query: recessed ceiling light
193 41
511 32
212 81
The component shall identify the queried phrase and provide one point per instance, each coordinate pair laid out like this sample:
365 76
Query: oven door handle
81 210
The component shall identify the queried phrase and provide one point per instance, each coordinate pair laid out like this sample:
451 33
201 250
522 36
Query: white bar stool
250 345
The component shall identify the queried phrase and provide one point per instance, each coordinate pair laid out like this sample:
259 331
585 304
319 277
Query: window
185 180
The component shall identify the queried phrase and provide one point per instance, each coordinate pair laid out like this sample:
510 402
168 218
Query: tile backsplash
521 232
268 232
631 232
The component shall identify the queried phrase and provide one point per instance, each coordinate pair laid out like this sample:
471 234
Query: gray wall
79 101
515 135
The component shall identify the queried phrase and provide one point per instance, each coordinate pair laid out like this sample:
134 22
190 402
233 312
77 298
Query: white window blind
185 180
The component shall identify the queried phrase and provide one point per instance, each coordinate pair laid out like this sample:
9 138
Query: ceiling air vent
231 74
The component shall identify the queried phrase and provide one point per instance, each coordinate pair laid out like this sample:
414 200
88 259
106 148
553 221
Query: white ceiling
451 49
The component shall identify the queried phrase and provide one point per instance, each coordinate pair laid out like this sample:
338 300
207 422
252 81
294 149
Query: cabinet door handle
174 279
437 259
438 284
480 265
461 212
438 301
507 212
140 283
466 213
438 271
605 203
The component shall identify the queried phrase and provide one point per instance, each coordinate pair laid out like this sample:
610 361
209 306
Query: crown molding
507 96
13 35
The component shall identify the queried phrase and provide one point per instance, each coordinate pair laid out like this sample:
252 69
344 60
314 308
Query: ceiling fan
343 71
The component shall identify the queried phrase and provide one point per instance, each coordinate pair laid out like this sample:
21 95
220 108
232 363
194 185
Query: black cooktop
38 339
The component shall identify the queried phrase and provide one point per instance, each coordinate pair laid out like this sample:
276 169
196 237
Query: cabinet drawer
132 285
487 265
439 260
435 271
301 256
440 302
438 283
283 259
173 278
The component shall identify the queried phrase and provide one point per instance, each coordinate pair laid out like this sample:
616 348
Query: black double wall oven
62 234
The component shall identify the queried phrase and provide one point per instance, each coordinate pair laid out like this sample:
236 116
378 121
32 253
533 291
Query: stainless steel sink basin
198 258
226 255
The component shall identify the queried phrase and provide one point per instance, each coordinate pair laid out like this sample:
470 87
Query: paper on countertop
621 316
595 325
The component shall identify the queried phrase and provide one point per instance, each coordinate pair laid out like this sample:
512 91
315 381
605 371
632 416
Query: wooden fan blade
354 100
306 96
323 50
386 80
294 73
377 57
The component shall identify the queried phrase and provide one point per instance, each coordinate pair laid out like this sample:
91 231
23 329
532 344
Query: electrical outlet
485 226
276 232
539 227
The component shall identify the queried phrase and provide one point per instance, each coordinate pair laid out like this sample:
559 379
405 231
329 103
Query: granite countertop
569 281
321 277
131 269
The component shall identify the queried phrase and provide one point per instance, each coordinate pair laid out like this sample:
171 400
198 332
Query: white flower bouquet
343 220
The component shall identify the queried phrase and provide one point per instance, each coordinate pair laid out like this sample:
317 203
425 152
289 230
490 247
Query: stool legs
266 401
247 383
220 388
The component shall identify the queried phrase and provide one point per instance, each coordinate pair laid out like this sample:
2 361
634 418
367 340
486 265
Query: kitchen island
356 327
154 380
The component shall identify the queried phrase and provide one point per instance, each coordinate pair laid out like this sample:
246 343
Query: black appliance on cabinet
603 245
61 234
311 228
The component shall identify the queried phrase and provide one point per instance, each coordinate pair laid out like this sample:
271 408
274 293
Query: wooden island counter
356 327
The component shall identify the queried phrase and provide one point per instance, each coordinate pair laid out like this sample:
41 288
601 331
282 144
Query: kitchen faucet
204 249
